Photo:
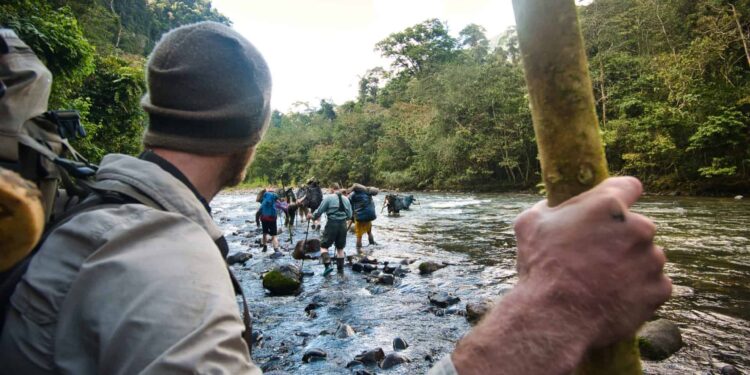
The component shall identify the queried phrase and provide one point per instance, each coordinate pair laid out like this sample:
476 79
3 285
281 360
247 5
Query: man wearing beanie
143 287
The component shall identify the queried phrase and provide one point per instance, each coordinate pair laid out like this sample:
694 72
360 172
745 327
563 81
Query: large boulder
659 339
393 359
283 280
476 310
344 331
240 257
370 357
303 249
426 268
443 299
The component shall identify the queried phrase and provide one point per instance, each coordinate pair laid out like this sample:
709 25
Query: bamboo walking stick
566 128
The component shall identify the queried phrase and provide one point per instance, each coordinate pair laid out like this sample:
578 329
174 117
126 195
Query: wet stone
357 267
426 268
371 357
399 344
240 257
659 339
344 331
476 310
367 268
369 260
443 299
354 363
363 372
282 280
388 269
729 370
393 359
386 279
313 355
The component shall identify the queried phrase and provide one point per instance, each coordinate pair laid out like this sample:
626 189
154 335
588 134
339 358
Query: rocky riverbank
451 255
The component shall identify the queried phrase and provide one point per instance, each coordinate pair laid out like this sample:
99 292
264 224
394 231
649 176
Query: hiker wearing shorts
338 210
364 212
268 220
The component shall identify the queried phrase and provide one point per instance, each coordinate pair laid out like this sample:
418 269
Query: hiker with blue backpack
268 217
364 212
338 211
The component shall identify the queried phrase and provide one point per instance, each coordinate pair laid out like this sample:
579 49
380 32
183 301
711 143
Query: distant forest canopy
671 79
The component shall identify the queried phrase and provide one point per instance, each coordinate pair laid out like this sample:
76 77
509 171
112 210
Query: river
707 242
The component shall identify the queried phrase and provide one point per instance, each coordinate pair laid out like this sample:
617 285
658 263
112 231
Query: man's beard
236 169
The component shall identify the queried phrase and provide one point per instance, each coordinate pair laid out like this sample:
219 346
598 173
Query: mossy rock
283 280
659 339
426 268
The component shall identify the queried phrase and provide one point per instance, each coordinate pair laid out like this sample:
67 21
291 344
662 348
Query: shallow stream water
707 242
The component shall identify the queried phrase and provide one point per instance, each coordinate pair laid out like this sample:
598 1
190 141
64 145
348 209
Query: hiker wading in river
338 210
364 212
135 289
268 217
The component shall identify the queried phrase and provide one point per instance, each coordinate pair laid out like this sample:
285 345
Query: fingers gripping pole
566 128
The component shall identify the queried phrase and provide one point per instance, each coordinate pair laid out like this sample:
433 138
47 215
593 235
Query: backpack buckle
68 123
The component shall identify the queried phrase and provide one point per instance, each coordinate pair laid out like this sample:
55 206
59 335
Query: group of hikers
343 208
133 279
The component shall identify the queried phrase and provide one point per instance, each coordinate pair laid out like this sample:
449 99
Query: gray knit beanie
209 91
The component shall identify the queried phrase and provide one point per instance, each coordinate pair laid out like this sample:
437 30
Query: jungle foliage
671 79
96 51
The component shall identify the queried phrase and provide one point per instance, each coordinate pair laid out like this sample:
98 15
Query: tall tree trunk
742 33
566 127
119 23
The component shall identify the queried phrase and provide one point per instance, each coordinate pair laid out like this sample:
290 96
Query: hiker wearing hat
144 288
338 210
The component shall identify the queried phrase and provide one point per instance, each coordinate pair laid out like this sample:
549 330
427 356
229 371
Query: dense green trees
671 79
96 52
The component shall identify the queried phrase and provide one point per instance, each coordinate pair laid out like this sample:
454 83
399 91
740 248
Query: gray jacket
128 289
330 207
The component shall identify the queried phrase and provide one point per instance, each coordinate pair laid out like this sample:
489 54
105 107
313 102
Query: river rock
371 357
388 268
659 339
426 268
240 257
386 279
476 310
400 272
443 299
367 268
738 197
283 280
302 249
363 372
314 355
729 370
344 331
357 267
368 259
399 344
393 359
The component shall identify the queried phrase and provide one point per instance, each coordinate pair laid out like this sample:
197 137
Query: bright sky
317 49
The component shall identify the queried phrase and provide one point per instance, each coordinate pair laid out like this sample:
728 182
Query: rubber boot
326 263
340 265
371 240
265 248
